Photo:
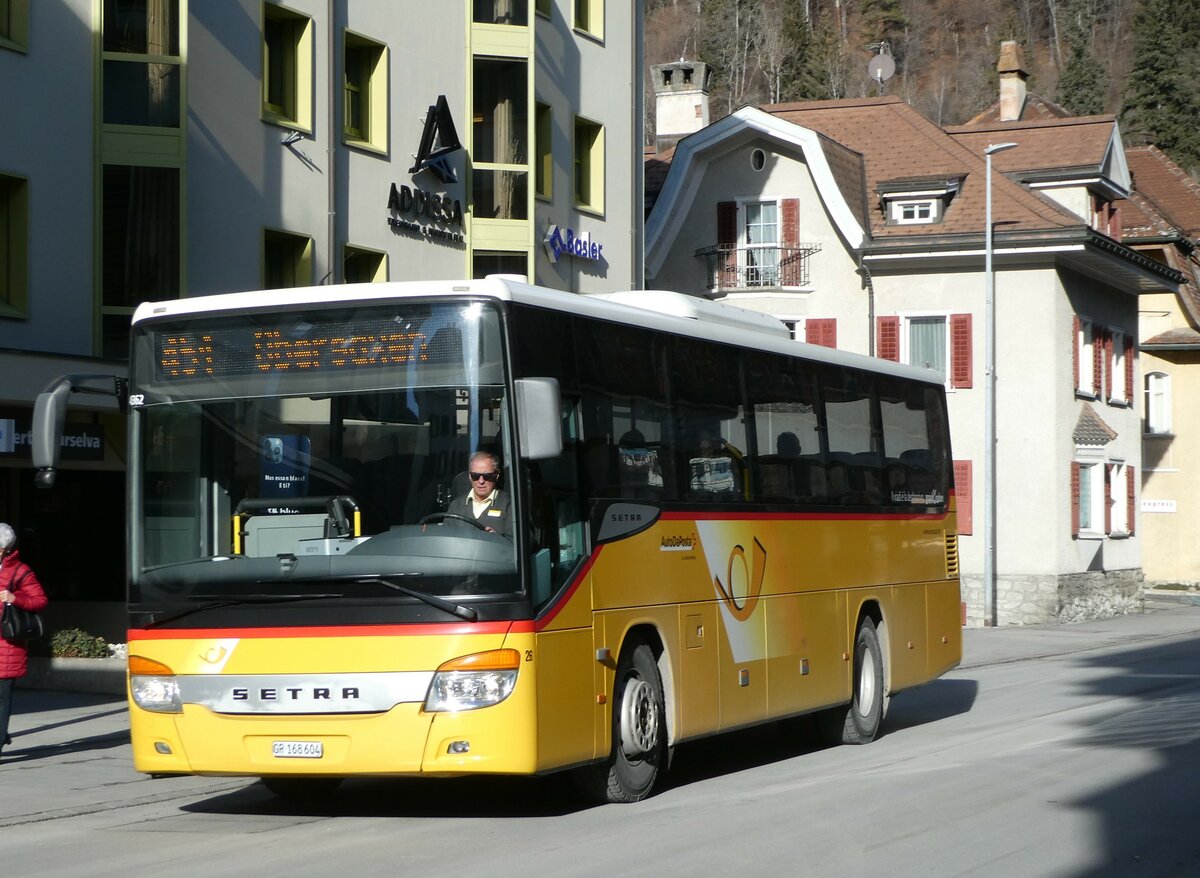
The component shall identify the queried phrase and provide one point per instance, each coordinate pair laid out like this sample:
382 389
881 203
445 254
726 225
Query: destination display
305 346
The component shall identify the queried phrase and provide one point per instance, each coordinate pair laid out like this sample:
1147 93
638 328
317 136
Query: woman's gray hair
8 537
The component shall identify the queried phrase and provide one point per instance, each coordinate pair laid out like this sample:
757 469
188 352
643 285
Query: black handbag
18 625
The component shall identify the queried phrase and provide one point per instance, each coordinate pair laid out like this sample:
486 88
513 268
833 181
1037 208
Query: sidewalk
71 755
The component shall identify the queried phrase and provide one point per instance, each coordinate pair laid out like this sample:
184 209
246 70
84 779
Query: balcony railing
730 267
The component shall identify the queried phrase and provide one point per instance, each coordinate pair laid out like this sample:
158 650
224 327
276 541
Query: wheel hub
639 719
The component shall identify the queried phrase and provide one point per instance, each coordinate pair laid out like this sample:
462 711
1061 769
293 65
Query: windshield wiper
212 602
433 600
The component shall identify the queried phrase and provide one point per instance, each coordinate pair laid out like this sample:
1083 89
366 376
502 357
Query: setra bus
710 526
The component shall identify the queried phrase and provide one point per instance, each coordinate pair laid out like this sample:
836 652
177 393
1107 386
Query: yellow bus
434 529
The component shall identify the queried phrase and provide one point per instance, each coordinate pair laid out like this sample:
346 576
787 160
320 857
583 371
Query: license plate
297 749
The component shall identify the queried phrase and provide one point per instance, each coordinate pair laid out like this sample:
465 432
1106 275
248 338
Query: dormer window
917 211
916 202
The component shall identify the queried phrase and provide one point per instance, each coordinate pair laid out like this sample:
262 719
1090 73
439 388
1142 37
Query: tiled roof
1174 194
656 165
895 141
1165 202
1184 336
1090 429
1044 144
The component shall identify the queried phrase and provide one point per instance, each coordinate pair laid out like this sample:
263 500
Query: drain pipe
869 285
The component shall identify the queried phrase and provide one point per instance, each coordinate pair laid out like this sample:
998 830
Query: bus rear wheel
859 722
639 740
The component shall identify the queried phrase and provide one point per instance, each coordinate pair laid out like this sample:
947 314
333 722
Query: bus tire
639 736
302 788
859 722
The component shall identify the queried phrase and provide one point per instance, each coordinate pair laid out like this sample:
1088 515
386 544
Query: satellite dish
881 68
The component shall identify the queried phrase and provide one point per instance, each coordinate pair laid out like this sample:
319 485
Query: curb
98 676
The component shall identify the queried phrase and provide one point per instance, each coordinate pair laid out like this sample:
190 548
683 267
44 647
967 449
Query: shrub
76 643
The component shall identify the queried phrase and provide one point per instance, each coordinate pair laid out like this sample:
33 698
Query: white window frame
1091 488
1085 343
921 211
1121 392
770 274
906 345
1119 516
1157 417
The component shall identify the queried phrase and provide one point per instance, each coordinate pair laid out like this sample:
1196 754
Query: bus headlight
473 681
153 686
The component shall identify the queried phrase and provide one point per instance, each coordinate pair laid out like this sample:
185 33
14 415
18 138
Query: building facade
167 148
861 224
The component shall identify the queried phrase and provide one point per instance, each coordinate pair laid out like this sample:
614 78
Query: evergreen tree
1161 104
1082 85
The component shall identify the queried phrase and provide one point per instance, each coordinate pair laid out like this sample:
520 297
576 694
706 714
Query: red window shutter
1108 498
1109 383
1097 360
791 222
1074 499
960 350
963 496
1076 329
1129 352
887 330
1130 508
727 235
822 331
1114 224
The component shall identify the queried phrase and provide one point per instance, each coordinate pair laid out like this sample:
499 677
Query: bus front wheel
859 723
639 750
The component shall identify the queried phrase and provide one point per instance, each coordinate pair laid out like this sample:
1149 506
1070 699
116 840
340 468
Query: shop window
589 165
361 266
14 246
365 93
287 67
287 260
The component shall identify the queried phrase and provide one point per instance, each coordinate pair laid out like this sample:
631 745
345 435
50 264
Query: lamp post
989 413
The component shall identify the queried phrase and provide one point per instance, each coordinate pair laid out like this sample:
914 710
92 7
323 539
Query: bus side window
786 459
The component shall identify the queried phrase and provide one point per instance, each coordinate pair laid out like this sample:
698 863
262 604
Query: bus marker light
162 747
603 654
803 667
602 698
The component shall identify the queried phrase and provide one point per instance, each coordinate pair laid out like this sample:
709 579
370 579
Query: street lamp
989 413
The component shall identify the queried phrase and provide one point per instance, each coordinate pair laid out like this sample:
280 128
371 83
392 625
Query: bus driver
485 502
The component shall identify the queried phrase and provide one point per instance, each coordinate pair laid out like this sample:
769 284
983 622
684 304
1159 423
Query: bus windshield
289 456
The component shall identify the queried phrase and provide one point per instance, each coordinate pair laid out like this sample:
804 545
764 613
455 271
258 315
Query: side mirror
49 415
539 418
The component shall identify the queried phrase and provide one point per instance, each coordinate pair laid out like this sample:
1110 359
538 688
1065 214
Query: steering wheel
442 516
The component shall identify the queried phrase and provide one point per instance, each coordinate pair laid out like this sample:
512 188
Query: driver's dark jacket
497 516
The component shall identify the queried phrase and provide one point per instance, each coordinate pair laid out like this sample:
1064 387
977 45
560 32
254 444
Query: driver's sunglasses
487 477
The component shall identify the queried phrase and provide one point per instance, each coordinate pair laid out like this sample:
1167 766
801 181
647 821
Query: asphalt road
1063 751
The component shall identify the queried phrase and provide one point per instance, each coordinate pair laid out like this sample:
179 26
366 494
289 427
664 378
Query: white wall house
861 224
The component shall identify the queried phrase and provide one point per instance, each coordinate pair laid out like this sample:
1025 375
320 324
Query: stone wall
1074 597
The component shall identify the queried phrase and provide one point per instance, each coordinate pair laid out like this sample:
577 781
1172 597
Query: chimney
1012 81
681 101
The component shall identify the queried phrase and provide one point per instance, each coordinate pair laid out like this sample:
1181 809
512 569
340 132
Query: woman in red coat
18 585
